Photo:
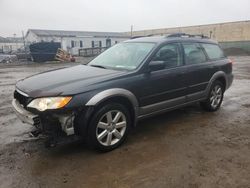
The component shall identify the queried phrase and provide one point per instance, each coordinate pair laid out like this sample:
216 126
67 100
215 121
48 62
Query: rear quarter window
213 51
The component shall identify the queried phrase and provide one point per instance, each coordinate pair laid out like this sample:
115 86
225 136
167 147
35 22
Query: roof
62 33
160 39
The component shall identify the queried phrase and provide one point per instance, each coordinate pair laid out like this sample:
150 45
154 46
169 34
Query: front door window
170 55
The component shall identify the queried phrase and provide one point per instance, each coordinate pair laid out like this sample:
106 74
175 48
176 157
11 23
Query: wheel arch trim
215 76
114 92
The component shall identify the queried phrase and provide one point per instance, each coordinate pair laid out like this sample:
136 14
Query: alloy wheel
111 128
216 96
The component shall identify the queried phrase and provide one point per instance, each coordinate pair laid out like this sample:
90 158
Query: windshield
126 56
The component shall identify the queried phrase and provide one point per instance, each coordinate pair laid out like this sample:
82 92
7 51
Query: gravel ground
183 148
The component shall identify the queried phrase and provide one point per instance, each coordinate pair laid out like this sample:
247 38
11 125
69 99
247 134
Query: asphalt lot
183 148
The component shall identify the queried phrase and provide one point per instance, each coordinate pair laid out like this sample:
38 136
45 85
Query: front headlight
43 104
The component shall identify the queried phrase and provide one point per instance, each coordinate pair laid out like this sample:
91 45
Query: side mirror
156 65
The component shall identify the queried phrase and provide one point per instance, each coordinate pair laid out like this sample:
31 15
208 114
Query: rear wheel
215 97
109 127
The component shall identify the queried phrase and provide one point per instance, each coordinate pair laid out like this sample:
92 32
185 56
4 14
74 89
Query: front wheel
215 97
109 127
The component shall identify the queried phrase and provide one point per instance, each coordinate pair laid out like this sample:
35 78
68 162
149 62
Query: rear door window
193 53
213 51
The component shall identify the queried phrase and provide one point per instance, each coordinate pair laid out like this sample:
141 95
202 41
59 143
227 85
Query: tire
215 97
108 127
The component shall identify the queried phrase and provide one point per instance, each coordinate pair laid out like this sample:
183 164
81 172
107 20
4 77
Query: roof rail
135 37
140 36
186 35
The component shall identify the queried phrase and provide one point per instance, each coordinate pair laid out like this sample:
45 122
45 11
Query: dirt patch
246 105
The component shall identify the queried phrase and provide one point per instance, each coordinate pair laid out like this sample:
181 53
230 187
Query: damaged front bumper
24 115
55 126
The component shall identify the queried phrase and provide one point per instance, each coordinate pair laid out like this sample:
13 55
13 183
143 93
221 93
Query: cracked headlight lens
43 104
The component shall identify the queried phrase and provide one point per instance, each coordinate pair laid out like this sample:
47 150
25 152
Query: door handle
211 67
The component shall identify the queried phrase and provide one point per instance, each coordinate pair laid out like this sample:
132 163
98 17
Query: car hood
66 81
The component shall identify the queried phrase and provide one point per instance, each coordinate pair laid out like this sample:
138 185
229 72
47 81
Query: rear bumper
24 115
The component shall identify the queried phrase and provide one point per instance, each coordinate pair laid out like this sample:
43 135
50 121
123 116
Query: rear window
213 51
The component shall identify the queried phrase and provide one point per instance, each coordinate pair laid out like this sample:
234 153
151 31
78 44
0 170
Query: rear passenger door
198 70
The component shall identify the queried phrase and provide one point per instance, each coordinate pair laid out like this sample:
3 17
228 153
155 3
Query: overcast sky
115 15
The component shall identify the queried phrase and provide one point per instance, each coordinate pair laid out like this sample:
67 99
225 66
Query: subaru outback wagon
132 80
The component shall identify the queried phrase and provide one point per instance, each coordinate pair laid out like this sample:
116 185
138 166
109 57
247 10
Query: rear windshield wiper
99 66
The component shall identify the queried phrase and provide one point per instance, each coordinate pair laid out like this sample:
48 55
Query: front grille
37 122
23 100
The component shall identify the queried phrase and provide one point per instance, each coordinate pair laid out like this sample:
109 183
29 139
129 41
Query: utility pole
15 40
24 45
131 32
23 40
210 34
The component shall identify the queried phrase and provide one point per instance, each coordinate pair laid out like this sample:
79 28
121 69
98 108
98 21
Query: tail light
231 61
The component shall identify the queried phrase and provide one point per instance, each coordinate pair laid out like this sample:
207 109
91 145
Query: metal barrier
88 52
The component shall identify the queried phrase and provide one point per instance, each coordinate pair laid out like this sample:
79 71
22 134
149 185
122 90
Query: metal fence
88 52
236 47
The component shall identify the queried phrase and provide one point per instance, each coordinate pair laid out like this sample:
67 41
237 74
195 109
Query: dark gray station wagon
135 79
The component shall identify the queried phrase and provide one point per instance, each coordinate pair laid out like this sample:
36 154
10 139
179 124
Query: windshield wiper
99 66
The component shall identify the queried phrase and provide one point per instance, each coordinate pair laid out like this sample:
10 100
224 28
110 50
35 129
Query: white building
72 41
10 44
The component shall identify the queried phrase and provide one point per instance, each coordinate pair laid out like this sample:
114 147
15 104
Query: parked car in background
132 80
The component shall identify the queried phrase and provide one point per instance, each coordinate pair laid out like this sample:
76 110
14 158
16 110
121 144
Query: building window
72 44
81 44
108 42
96 44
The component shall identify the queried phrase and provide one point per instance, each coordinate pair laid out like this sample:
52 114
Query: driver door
165 88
